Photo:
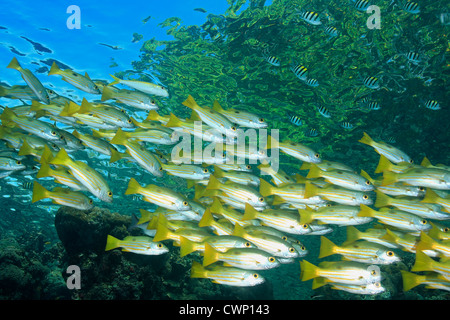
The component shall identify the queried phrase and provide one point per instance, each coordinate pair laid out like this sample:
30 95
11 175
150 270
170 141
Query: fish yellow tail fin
430 196
426 162
314 172
306 216
190 103
423 262
308 270
54 69
239 231
120 137
327 247
216 206
107 94
250 212
133 187
353 235
162 233
7 115
45 170
213 183
366 139
62 158
366 211
197 270
265 188
311 190
14 64
115 155
207 219
211 255
389 178
383 165
186 247
25 149
173 122
382 200
69 109
111 243
86 106
39 192
116 80
217 107
411 280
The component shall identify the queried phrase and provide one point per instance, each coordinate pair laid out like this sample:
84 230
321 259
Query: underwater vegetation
351 194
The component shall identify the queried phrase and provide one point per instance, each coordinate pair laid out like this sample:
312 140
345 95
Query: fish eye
91 201
152 101
53 133
377 284
373 272
110 194
162 88
411 161
423 221
305 226
185 203
328 204
421 189
18 162
368 182
129 121
159 245
365 197
446 229
255 275
160 168
303 248
291 250
271 259
261 119
261 199
205 170
248 244
249 167
284 238
233 128
317 155
390 253
95 87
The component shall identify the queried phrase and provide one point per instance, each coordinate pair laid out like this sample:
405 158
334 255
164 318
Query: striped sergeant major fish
271 59
413 57
324 111
346 125
432 105
410 6
300 71
331 31
33 82
312 82
310 17
295 120
312 132
361 5
371 82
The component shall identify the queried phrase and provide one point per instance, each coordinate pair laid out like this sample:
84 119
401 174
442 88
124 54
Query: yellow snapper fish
11 164
431 281
99 145
267 242
220 243
33 82
360 251
291 193
155 136
219 227
415 206
283 220
187 171
345 272
294 149
396 218
142 86
428 243
39 128
79 81
240 177
423 177
63 197
394 189
131 98
342 215
61 175
158 195
390 152
136 244
385 165
109 114
241 193
146 159
341 178
89 119
241 118
425 263
366 289
234 216
195 235
88 176
374 235
200 130
432 197
212 118
226 275
338 194
243 258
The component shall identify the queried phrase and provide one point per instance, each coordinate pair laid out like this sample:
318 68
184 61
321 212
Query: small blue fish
410 7
331 31
312 82
346 125
432 105
361 5
295 120
310 17
324 111
371 82
300 71
312 133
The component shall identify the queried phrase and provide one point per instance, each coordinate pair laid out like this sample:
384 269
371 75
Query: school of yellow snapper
238 221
